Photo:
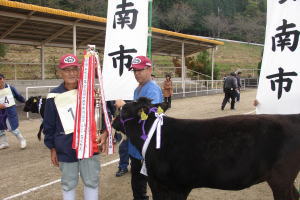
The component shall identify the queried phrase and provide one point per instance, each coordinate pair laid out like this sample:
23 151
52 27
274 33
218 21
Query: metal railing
198 74
196 87
199 87
192 88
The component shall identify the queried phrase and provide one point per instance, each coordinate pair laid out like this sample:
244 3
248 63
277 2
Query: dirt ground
28 174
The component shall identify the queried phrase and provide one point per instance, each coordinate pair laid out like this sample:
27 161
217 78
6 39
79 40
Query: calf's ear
163 106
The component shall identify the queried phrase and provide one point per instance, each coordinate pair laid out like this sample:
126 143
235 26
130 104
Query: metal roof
29 24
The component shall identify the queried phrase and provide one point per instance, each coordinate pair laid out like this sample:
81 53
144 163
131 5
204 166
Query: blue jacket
11 112
54 132
152 91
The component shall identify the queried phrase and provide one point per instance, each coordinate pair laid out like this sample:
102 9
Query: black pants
229 94
168 100
238 95
138 180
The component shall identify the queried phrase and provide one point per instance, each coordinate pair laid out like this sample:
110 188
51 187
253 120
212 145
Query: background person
8 113
230 87
152 77
142 69
60 143
238 92
124 156
168 90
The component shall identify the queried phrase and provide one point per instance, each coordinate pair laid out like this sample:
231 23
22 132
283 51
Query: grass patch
228 57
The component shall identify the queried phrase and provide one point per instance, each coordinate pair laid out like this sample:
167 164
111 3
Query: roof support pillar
42 51
183 69
212 66
74 39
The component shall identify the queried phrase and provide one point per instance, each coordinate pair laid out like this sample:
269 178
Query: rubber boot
90 193
69 195
21 140
3 142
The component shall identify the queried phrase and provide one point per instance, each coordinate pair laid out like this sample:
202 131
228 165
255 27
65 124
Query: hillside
229 57
233 56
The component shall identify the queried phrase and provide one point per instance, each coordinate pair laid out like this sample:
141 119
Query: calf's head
135 111
31 105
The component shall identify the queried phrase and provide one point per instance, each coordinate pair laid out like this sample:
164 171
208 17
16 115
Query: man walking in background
238 91
230 87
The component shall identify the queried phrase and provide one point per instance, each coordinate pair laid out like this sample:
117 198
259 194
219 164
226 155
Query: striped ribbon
104 108
84 136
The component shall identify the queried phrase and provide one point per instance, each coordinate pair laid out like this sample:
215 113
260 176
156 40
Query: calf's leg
281 180
295 193
170 195
163 192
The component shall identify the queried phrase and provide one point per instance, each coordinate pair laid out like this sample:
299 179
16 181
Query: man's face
70 74
2 82
143 75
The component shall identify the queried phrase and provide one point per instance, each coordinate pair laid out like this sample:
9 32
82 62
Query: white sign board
279 83
126 37
6 97
66 107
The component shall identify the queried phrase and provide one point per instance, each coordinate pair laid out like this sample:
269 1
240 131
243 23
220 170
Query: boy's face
2 82
70 75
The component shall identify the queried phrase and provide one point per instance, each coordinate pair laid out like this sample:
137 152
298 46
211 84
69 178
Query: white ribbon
155 126
40 104
104 108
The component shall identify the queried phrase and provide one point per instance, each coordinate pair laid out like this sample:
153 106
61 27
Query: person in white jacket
8 113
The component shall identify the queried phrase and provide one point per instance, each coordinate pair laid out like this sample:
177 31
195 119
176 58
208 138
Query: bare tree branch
179 17
216 24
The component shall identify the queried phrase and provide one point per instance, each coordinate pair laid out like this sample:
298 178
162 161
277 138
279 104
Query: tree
252 9
201 63
198 17
249 29
90 7
204 58
165 5
216 24
179 17
202 8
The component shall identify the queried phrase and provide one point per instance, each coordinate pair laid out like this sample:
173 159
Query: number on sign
6 100
72 113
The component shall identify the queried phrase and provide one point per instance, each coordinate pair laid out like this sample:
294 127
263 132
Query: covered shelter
28 24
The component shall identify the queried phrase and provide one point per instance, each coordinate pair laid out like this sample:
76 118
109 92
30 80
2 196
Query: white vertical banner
279 83
126 37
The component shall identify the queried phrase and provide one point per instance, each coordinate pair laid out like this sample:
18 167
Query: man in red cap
59 113
142 69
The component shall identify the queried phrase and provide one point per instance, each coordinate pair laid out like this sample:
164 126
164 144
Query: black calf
36 104
228 153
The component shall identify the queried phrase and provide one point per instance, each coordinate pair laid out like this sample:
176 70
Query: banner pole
150 30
